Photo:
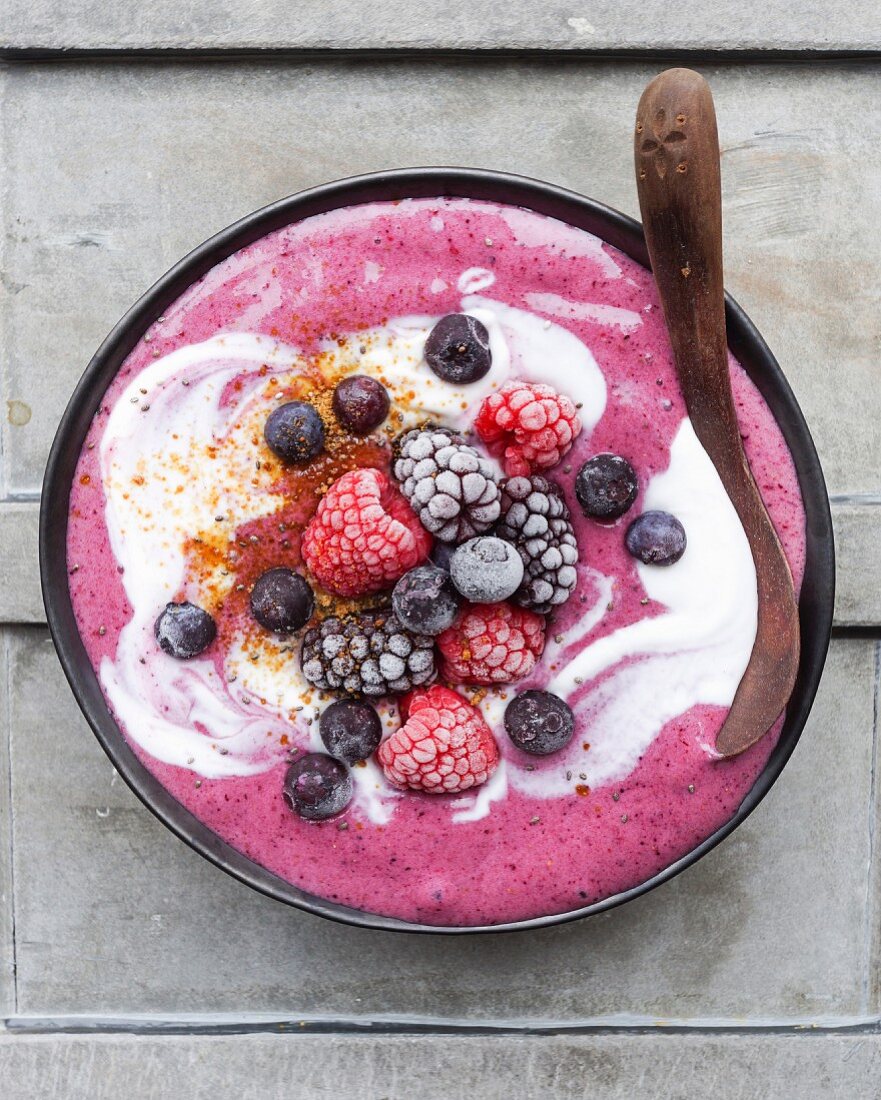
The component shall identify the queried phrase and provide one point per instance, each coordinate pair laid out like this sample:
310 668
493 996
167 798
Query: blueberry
539 723
317 787
424 600
442 555
281 601
295 432
351 731
606 486
656 538
184 630
486 569
360 403
457 349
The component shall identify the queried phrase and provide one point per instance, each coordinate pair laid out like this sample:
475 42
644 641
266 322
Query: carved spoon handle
679 185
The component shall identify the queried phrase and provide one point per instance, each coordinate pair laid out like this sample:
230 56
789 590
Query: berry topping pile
414 559
364 536
528 425
443 747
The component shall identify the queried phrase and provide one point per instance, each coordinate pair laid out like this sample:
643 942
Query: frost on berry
364 535
528 425
451 487
443 747
492 644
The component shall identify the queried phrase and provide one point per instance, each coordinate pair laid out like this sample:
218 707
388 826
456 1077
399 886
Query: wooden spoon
678 179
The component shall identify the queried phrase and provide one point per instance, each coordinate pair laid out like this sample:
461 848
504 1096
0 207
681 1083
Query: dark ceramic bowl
620 231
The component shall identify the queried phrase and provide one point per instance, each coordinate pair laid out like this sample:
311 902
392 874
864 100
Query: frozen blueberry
424 600
317 787
606 486
656 538
281 601
539 723
457 349
295 432
486 569
184 630
351 731
442 554
360 403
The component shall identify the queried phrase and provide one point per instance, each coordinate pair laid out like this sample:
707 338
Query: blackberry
451 487
366 654
536 520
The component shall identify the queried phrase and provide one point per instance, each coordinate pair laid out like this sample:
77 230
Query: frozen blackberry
450 486
367 654
536 520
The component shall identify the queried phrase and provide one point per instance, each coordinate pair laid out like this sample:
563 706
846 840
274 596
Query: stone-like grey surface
111 172
858 551
20 599
113 915
7 948
857 538
485 25
345 1067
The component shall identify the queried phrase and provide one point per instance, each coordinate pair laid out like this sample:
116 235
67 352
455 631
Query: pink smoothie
549 840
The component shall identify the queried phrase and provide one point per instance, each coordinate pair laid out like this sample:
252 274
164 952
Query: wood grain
676 147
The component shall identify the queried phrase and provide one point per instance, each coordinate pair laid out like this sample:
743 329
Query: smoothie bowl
384 562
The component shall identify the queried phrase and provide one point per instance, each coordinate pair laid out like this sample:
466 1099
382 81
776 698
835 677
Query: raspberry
528 425
444 746
364 536
492 643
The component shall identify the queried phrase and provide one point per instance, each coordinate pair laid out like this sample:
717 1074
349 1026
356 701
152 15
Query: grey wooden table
130 967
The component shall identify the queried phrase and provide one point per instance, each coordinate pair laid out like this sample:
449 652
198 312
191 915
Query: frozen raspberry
444 746
364 535
492 644
528 425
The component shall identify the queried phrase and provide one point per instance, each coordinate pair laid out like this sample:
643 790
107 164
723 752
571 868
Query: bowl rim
619 230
